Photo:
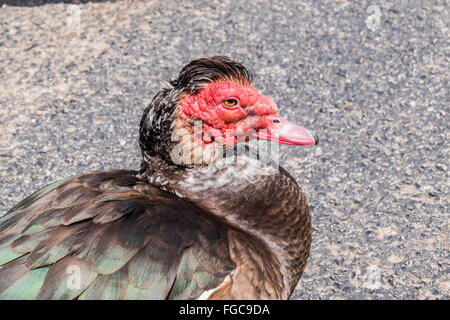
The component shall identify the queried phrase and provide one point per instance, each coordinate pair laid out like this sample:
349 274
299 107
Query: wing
108 235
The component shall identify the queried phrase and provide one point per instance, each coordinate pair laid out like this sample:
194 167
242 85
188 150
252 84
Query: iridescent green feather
6 252
26 287
107 287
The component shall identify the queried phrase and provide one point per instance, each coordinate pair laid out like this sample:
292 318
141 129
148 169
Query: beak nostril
276 121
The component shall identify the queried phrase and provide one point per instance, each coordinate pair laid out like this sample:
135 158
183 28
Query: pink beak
285 132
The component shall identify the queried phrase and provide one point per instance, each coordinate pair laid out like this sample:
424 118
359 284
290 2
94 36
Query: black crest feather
196 73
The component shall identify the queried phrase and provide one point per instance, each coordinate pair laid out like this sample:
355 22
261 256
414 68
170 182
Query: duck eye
230 103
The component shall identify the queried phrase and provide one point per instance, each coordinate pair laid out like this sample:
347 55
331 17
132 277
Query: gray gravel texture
375 90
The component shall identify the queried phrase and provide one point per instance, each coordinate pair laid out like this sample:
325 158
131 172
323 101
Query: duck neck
251 196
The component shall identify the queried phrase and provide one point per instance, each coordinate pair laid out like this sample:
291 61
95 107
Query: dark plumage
217 229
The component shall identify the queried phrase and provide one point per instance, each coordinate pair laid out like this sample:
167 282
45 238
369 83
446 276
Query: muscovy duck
195 222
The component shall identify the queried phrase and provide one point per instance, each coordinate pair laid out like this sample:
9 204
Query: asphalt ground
370 77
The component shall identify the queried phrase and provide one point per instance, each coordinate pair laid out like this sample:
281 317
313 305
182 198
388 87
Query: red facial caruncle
228 110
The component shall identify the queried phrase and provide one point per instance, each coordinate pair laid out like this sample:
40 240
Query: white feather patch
205 295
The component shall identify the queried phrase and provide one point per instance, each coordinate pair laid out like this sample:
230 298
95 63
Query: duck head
212 105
